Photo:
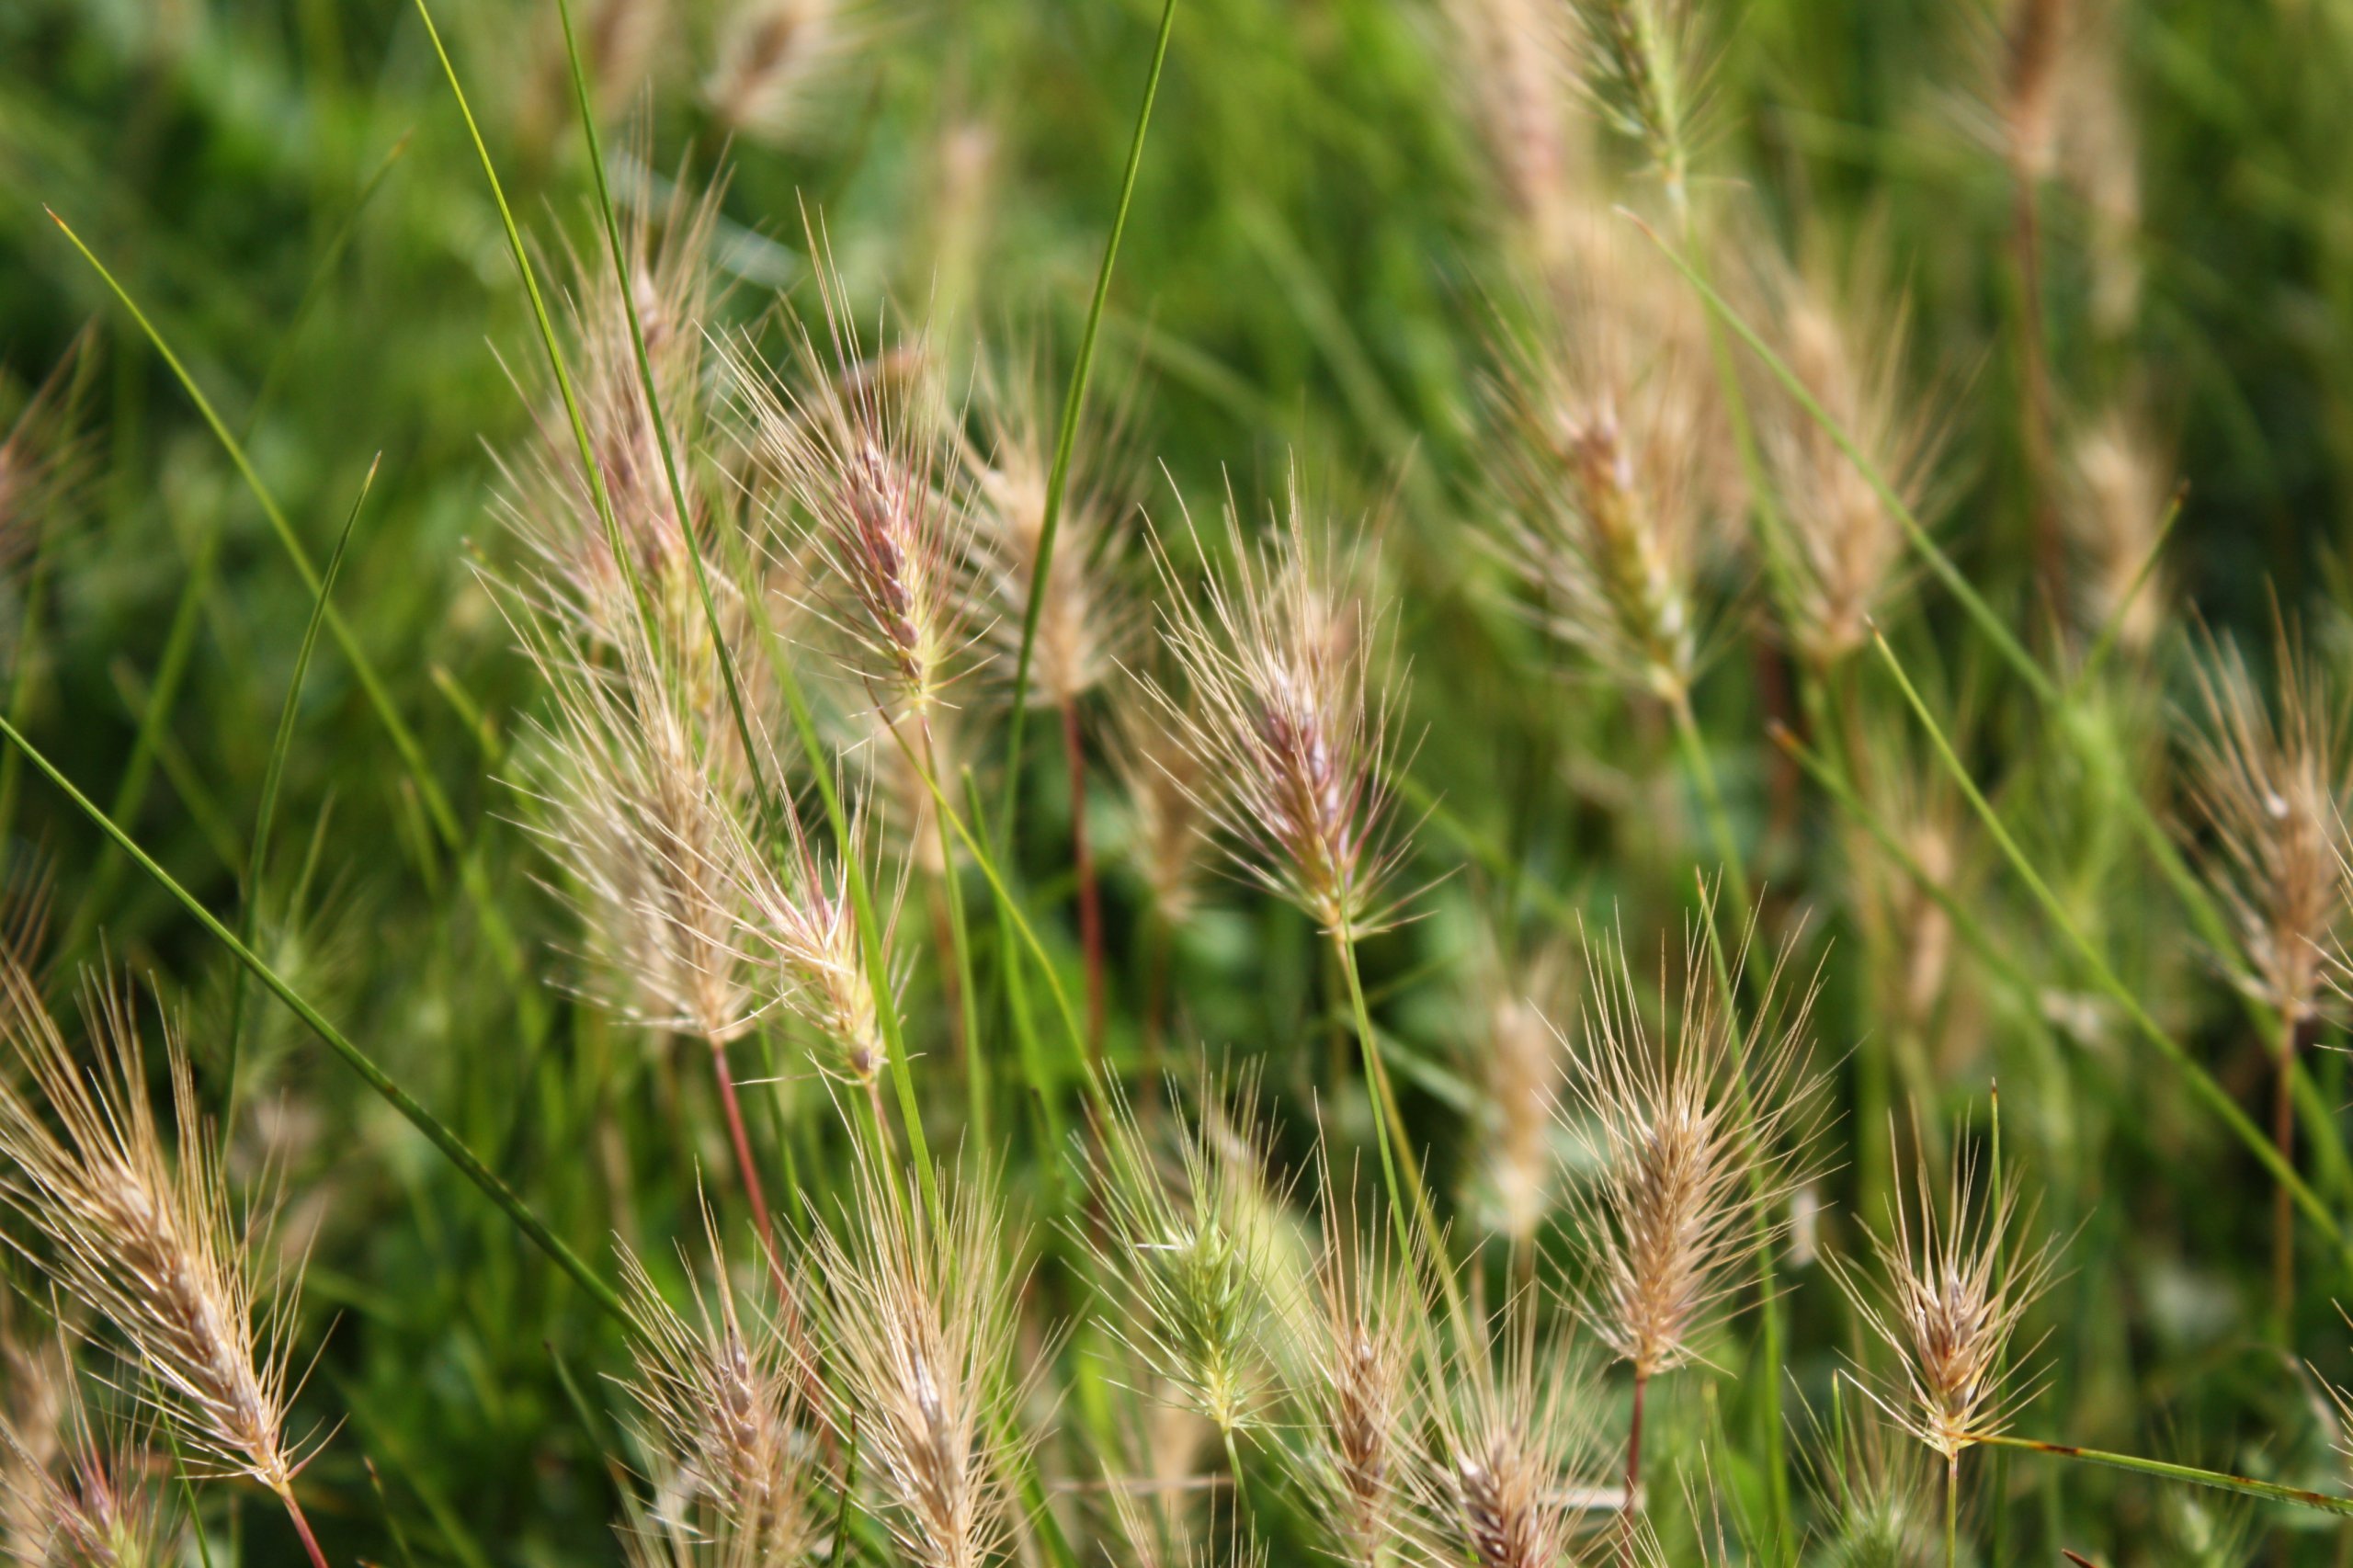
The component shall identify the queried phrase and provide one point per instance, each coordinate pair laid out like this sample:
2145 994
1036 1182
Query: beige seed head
140 1231
1956 1286
774 60
1699 1136
1288 718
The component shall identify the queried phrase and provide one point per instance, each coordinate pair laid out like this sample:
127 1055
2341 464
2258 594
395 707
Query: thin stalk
1090 899
452 1146
273 776
1952 1508
1633 1464
2284 1215
1396 1149
303 1527
745 1165
1066 438
960 943
2201 1084
2220 1481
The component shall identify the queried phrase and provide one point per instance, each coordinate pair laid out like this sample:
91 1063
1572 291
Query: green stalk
2244 1487
452 1146
273 776
2201 1084
1066 438
1696 756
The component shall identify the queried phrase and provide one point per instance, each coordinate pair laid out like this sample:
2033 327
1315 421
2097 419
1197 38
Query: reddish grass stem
302 1527
2283 1208
1634 1465
741 1141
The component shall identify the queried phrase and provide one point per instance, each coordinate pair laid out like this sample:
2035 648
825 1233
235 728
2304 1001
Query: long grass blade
2220 1481
452 1146
264 815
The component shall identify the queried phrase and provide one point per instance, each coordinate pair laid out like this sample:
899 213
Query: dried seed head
140 1231
1846 343
1515 73
1084 618
1876 1497
1500 1481
798 913
2033 42
2267 781
1956 1288
1612 468
918 1319
550 501
1288 720
71 1498
643 798
1165 785
775 59
43 463
1522 1062
1358 1387
1698 1136
870 483
720 1401
1201 1253
2120 496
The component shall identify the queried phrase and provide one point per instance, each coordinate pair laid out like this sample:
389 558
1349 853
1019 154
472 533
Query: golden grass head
1956 1286
2266 780
1521 1058
1516 74
1699 1136
1084 617
2118 492
1845 340
870 481
918 1314
1502 1476
78 1488
720 1397
138 1228
775 59
1612 472
1289 718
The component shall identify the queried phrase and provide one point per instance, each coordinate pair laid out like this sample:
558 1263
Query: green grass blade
452 1146
1066 438
2202 1083
273 774
2246 1486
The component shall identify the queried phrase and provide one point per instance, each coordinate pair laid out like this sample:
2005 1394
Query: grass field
1414 781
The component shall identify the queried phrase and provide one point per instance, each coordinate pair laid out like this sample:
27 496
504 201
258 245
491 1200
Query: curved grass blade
1057 477
273 774
452 1146
2202 1083
2220 1481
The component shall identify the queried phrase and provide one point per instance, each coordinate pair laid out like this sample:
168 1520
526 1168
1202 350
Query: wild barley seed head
1956 1289
1875 1497
549 500
1513 71
1698 1136
140 1233
798 913
1522 1060
869 479
642 800
720 1401
1084 620
43 461
1164 783
1287 719
71 1497
2118 494
2032 45
1610 473
1500 1480
1357 1386
918 1320
1847 343
1643 67
775 59
2267 781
